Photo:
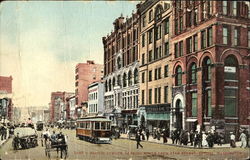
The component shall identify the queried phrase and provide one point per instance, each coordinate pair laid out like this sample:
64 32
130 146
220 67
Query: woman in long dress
204 139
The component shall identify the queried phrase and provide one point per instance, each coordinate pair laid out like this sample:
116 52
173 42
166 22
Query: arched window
129 78
110 87
119 63
230 69
193 71
113 82
124 80
119 80
178 78
158 12
207 69
135 76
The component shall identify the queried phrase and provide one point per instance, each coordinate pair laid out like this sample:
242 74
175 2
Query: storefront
154 116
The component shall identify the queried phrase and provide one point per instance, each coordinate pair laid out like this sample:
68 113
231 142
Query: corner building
121 71
155 64
211 76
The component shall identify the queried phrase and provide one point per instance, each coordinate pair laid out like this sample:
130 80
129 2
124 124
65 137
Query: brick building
58 105
86 73
211 76
155 64
121 71
6 104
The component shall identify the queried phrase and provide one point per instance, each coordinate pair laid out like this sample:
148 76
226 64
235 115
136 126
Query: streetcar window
97 125
108 125
87 125
81 125
84 125
103 125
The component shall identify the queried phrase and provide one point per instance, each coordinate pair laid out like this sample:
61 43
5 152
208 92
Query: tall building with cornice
121 71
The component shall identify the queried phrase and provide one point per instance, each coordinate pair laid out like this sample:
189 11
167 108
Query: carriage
24 138
58 146
94 129
39 126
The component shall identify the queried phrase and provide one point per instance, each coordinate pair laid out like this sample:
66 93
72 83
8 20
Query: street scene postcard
125 80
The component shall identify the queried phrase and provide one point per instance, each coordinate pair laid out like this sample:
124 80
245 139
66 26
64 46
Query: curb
183 146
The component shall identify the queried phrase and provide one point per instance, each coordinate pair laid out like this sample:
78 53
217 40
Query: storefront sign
164 108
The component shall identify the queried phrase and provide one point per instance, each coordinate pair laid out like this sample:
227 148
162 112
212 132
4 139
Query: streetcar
94 129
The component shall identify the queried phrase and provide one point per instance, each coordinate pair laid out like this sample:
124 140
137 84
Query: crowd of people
6 131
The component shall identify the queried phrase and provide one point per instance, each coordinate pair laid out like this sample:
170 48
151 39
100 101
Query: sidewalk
151 140
2 142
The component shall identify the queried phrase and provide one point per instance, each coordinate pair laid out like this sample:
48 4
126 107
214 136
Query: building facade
96 99
71 107
121 71
6 104
86 73
210 42
155 64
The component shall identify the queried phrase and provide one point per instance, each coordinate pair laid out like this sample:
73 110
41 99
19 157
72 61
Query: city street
123 149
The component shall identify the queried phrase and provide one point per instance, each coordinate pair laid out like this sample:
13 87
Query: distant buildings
58 107
6 105
86 73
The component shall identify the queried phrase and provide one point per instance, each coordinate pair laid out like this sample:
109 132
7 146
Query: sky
41 43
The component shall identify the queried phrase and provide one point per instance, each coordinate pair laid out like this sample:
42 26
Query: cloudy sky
41 42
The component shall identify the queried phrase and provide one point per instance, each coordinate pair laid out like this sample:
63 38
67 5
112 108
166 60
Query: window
150 36
230 68
128 40
143 59
150 56
181 48
225 35
156 76
135 76
195 43
176 50
124 80
144 21
159 53
166 71
143 40
188 18
206 69
156 53
249 37
194 104
209 7
158 32
150 15
158 13
103 125
156 95
176 26
236 37
203 39
150 76
181 24
224 7
166 31
209 106
159 73
178 76
142 96
193 73
143 77
189 45
195 16
119 80
234 8
166 94
159 95
210 36
150 96
166 48
230 98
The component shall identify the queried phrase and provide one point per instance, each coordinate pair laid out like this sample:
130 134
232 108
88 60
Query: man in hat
232 140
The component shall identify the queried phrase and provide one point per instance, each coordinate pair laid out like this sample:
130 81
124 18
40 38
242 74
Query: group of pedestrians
6 131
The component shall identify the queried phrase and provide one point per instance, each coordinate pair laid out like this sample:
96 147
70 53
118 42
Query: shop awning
159 116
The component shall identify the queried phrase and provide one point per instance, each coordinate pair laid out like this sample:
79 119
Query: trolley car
94 129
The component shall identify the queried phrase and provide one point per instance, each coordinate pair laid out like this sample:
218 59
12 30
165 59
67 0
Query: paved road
124 149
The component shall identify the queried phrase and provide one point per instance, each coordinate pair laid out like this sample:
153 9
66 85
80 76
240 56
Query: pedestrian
243 139
147 134
138 139
143 135
197 139
232 140
191 137
165 140
158 133
204 139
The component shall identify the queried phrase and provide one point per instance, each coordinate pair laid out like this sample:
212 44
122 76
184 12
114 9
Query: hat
231 132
